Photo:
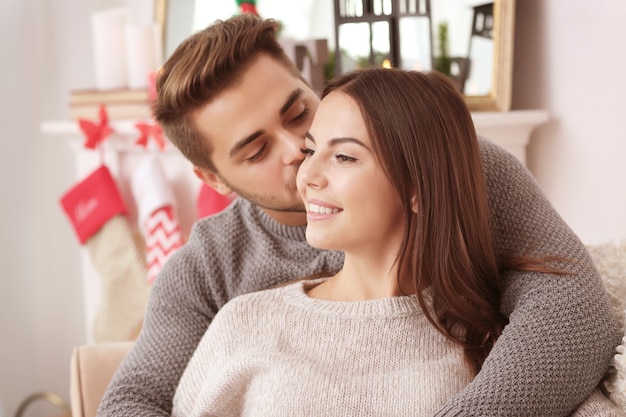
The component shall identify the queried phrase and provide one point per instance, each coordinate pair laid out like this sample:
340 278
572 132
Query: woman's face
351 204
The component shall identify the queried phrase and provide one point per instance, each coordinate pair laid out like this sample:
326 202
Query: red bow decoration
96 133
152 92
148 130
249 8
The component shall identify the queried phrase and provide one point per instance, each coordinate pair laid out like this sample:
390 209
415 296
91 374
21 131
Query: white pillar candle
141 53
108 48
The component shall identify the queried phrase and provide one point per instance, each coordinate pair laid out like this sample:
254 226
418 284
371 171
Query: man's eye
301 116
257 155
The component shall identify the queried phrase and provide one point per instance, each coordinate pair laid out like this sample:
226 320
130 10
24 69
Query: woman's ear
414 204
212 180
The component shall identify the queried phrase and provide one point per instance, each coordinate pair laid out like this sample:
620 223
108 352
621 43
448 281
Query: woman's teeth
315 208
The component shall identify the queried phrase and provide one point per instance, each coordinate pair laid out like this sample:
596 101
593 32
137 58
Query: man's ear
212 180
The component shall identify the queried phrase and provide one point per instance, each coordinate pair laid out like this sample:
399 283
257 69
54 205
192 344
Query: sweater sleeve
561 333
177 316
598 405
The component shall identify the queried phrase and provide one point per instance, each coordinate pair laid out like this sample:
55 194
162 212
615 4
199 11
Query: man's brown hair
203 66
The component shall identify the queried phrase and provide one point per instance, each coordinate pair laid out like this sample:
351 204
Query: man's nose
292 145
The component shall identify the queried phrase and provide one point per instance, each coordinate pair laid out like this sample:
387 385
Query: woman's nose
311 174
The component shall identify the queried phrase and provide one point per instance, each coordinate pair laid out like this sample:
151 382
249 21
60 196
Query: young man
237 108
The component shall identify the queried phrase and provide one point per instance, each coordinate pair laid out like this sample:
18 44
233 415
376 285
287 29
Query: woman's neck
363 278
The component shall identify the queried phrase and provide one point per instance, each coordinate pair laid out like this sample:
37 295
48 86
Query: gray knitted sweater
556 348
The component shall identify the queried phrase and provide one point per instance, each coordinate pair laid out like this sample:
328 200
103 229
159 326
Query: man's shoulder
492 152
213 235
499 163
223 225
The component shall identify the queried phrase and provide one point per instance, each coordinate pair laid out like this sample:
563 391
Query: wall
40 302
567 61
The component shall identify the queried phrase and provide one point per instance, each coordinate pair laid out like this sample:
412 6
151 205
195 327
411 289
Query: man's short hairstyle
204 65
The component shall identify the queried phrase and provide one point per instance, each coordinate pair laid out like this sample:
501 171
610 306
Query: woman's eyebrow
337 141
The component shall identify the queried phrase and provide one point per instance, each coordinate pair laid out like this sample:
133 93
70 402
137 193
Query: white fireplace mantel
511 130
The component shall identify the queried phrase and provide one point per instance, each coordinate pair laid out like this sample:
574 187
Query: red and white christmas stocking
156 206
98 214
211 202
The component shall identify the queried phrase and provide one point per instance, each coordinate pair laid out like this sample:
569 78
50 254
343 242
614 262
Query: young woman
395 181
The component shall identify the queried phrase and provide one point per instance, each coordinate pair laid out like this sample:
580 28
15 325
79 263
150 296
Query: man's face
257 130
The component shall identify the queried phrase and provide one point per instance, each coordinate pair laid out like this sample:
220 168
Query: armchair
91 368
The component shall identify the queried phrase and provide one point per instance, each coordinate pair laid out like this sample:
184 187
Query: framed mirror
479 35
498 97
470 41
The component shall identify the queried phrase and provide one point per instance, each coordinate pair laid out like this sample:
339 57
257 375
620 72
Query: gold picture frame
499 99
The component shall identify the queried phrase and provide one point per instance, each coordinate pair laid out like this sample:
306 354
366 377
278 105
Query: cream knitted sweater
281 353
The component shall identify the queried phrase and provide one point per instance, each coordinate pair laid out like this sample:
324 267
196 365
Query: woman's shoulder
262 301
270 301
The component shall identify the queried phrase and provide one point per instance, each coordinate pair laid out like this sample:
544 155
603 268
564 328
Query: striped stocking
157 214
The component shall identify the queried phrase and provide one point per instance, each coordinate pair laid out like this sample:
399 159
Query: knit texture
550 357
598 405
610 259
280 353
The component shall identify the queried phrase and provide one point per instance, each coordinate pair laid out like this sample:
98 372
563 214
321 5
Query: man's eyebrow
295 94
290 100
243 142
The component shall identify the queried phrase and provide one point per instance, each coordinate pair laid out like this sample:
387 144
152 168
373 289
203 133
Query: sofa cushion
91 369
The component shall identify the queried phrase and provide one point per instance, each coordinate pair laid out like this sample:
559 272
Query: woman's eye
257 155
345 158
307 152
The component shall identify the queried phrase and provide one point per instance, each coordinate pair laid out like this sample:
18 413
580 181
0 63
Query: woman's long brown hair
424 136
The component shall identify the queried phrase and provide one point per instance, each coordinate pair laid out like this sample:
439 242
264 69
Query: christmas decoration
247 6
98 214
96 132
147 131
156 214
210 202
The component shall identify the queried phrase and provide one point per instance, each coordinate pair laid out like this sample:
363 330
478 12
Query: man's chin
287 209
284 206
289 216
